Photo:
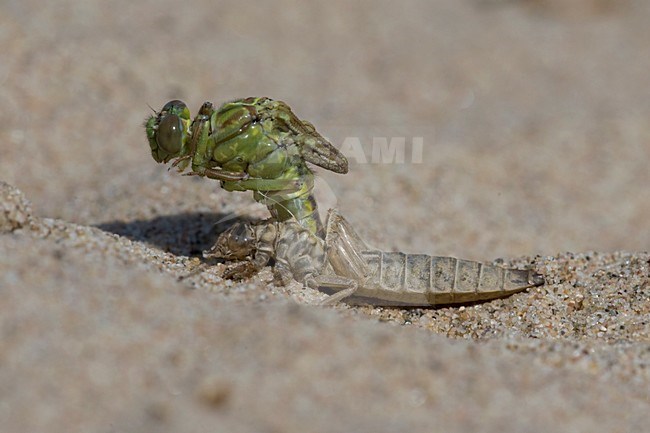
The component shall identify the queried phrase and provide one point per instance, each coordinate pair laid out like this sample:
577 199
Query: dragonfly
252 144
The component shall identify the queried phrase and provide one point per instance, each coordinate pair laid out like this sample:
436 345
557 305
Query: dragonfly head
236 243
167 131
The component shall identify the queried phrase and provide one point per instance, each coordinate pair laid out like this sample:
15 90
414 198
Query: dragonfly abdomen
298 204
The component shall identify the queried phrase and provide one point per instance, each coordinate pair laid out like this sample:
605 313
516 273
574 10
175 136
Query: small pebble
15 209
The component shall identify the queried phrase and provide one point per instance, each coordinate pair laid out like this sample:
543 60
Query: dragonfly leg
218 174
259 184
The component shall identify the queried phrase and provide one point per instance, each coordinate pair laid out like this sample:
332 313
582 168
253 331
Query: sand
535 149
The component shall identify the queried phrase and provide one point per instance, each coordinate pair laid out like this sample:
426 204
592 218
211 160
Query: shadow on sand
185 234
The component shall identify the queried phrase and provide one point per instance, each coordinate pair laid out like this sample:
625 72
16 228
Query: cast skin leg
348 286
282 273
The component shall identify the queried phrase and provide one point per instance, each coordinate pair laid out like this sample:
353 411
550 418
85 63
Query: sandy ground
533 117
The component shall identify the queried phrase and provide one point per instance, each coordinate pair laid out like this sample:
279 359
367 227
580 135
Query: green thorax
245 136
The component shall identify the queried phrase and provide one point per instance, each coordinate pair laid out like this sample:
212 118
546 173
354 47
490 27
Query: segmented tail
420 279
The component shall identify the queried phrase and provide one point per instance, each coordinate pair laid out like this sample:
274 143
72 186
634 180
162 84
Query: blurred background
532 115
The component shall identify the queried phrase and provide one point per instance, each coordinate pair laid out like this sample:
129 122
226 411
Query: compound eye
240 235
240 240
174 106
170 134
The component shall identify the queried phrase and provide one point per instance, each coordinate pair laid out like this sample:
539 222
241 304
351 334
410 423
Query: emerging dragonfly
251 144
345 264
